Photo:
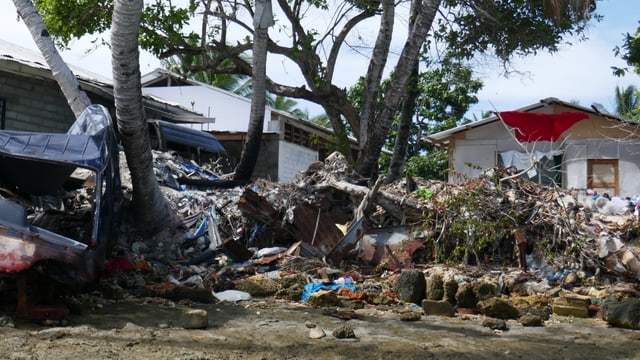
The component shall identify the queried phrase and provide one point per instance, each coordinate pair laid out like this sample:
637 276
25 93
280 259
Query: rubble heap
328 230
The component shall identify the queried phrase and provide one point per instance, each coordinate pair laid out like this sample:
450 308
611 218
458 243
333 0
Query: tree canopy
310 35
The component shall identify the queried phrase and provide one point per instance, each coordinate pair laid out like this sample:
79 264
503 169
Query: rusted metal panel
391 248
316 227
347 244
236 251
258 207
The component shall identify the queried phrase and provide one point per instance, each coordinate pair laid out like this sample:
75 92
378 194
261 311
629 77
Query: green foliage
628 102
430 165
508 27
465 228
338 142
423 193
629 52
91 17
163 24
161 27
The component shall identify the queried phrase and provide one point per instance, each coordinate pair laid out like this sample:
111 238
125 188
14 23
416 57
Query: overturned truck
59 207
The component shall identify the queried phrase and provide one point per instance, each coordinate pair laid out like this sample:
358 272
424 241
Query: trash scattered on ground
496 246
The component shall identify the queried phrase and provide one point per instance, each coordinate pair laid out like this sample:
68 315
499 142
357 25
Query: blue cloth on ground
315 287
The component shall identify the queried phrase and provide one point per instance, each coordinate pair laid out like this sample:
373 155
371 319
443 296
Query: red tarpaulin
531 127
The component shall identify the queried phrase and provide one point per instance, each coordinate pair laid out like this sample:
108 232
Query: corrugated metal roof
33 59
22 61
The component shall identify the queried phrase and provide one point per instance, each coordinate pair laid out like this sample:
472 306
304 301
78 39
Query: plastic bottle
344 280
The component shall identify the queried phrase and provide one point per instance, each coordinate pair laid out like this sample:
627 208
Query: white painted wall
230 111
482 155
292 159
575 165
472 158
626 152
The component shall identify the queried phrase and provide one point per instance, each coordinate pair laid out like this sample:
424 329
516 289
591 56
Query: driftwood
394 205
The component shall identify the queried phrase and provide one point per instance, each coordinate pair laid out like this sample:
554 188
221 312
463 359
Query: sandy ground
269 329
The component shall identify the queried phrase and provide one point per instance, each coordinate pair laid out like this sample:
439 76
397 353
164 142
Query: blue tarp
174 133
315 287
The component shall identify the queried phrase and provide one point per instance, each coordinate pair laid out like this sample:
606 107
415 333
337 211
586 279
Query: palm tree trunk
263 18
399 156
76 98
150 208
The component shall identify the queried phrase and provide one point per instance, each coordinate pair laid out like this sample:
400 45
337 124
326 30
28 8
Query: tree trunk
76 98
150 208
425 13
262 19
376 69
399 156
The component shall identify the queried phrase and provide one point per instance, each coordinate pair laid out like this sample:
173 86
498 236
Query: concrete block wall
267 164
293 159
34 104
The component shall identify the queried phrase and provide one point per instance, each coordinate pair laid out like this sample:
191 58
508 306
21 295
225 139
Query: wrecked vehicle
59 207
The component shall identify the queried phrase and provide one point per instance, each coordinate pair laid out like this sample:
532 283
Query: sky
581 72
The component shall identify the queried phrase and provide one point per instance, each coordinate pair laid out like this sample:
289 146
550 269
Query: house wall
293 159
267 162
578 152
595 138
478 150
231 112
34 104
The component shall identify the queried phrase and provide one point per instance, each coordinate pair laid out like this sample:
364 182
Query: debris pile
329 239
497 220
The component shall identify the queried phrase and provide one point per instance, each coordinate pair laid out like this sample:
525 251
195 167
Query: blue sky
581 72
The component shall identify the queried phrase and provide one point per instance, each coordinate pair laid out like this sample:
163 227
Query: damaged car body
59 206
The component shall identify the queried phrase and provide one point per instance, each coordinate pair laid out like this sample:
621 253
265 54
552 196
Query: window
547 169
602 175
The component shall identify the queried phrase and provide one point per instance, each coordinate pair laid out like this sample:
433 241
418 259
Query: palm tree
628 102
231 82
262 20
150 208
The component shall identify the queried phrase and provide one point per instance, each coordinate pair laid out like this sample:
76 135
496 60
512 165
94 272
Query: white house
289 144
588 149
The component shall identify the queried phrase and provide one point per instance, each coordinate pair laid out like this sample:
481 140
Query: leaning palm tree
69 85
